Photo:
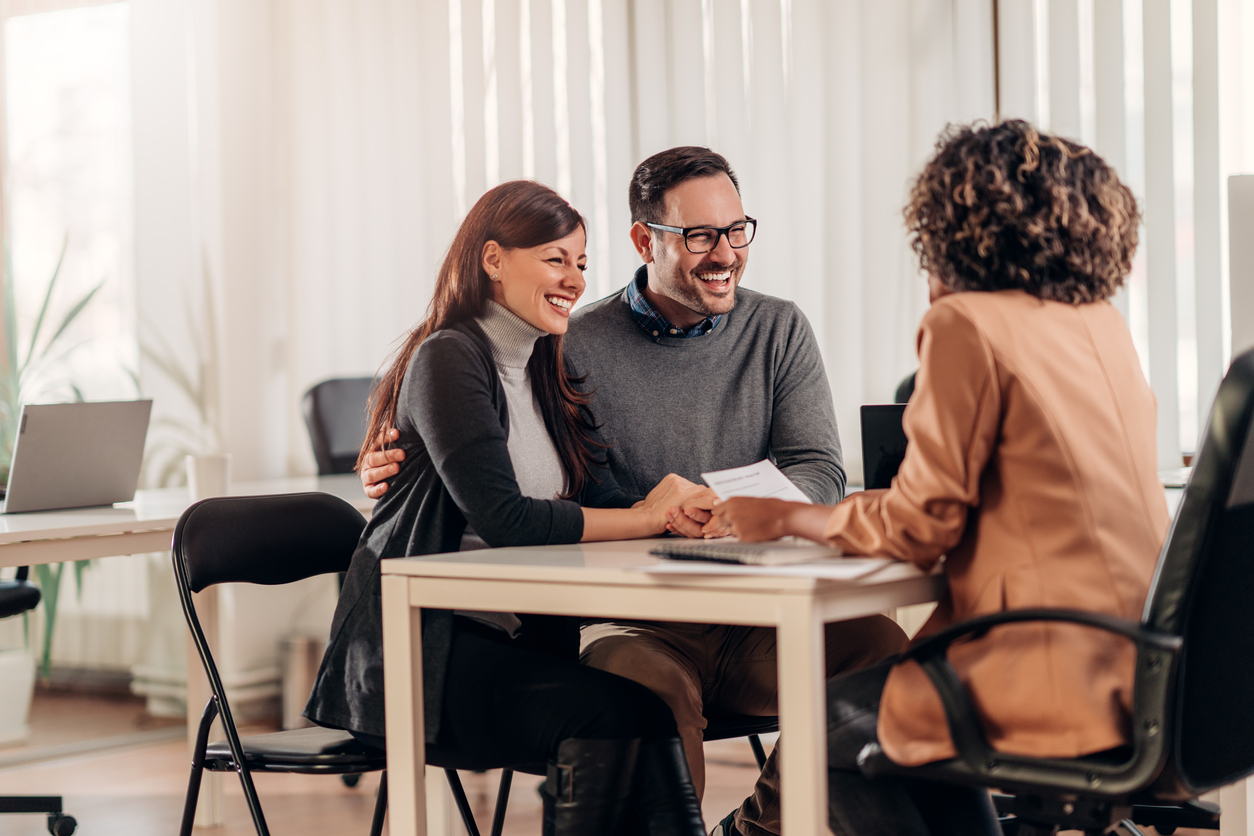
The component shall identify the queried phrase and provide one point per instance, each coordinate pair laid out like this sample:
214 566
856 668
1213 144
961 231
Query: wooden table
606 580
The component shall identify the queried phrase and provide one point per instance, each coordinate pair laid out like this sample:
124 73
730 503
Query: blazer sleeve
951 425
449 396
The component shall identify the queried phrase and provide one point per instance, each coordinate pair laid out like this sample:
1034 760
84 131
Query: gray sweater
752 388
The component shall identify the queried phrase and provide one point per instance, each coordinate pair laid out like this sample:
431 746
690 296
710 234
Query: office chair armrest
977 627
964 725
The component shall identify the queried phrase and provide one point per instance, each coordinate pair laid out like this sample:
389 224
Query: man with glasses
691 374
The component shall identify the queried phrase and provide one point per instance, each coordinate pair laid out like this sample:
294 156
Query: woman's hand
752 520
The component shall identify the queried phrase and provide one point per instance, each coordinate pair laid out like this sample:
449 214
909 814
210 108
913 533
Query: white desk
602 579
144 525
147 525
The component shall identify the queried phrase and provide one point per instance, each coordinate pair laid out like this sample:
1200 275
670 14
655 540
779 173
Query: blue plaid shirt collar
650 320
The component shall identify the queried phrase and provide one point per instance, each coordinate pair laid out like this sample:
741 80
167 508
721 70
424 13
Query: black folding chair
17 596
265 540
1192 726
335 415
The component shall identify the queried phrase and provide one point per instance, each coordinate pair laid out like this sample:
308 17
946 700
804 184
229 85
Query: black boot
665 797
588 788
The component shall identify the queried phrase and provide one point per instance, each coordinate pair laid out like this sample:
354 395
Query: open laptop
883 444
76 455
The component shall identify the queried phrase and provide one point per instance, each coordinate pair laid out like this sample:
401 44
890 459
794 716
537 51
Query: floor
136 787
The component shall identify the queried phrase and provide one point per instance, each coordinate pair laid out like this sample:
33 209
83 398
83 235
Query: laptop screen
883 443
76 455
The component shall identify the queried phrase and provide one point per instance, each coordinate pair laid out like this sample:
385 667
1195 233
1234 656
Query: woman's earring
495 277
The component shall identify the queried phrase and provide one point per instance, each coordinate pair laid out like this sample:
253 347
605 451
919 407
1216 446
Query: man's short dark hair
663 171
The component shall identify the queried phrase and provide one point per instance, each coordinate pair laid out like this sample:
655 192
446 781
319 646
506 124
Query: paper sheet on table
838 569
761 480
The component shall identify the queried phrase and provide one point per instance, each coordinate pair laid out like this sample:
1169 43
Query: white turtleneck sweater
537 466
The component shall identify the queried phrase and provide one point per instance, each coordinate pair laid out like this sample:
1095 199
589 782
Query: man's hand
381 465
695 519
666 501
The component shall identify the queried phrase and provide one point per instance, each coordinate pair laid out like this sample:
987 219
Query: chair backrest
1203 591
255 539
18 595
335 414
265 539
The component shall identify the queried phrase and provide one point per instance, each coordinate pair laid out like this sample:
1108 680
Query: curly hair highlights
1005 207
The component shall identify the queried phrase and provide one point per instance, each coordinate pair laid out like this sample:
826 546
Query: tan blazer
1031 465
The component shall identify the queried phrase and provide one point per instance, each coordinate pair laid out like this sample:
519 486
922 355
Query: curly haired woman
1031 467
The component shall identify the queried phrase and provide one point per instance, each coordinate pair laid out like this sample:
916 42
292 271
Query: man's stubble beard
676 285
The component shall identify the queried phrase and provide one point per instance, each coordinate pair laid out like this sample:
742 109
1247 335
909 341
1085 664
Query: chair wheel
60 824
351 779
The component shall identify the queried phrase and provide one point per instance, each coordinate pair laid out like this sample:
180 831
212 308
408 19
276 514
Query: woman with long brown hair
1031 468
502 450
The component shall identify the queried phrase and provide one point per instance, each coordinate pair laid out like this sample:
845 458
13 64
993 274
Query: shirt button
655 333
673 331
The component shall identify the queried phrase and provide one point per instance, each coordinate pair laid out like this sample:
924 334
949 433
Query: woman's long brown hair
517 215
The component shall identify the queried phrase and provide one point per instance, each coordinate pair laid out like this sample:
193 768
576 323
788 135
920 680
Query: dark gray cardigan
453 424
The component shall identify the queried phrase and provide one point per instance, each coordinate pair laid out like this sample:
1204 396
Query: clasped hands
682 507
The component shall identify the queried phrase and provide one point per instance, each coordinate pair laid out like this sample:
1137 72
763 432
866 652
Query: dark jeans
858 806
508 704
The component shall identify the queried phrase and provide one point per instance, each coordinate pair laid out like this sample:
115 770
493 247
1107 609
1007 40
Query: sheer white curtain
382 121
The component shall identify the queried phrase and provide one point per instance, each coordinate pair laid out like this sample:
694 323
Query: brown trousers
695 667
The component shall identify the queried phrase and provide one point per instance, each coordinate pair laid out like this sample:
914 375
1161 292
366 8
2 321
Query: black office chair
1192 726
17 596
335 415
265 540
904 389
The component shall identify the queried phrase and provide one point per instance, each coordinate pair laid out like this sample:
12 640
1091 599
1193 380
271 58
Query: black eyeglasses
702 239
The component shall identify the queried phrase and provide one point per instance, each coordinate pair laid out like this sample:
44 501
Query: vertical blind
1139 81
400 114
388 118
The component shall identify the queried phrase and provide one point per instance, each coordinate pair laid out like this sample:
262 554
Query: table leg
802 719
209 808
1234 800
402 688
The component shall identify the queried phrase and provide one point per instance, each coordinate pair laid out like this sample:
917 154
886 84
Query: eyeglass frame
722 233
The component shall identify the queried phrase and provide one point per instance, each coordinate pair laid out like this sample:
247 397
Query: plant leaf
50 585
43 309
72 314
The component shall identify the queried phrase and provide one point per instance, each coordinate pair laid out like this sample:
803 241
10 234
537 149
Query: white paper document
762 480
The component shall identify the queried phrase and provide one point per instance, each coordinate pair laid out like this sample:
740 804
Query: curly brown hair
1007 207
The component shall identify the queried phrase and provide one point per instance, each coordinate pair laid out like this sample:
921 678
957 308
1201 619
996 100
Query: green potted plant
26 372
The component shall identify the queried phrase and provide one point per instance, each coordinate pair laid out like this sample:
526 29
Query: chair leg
198 766
463 804
755 743
502 801
380 806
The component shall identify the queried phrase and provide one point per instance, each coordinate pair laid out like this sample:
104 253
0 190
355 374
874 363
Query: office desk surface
142 525
609 580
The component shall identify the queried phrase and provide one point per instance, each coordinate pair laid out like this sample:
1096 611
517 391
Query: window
68 174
